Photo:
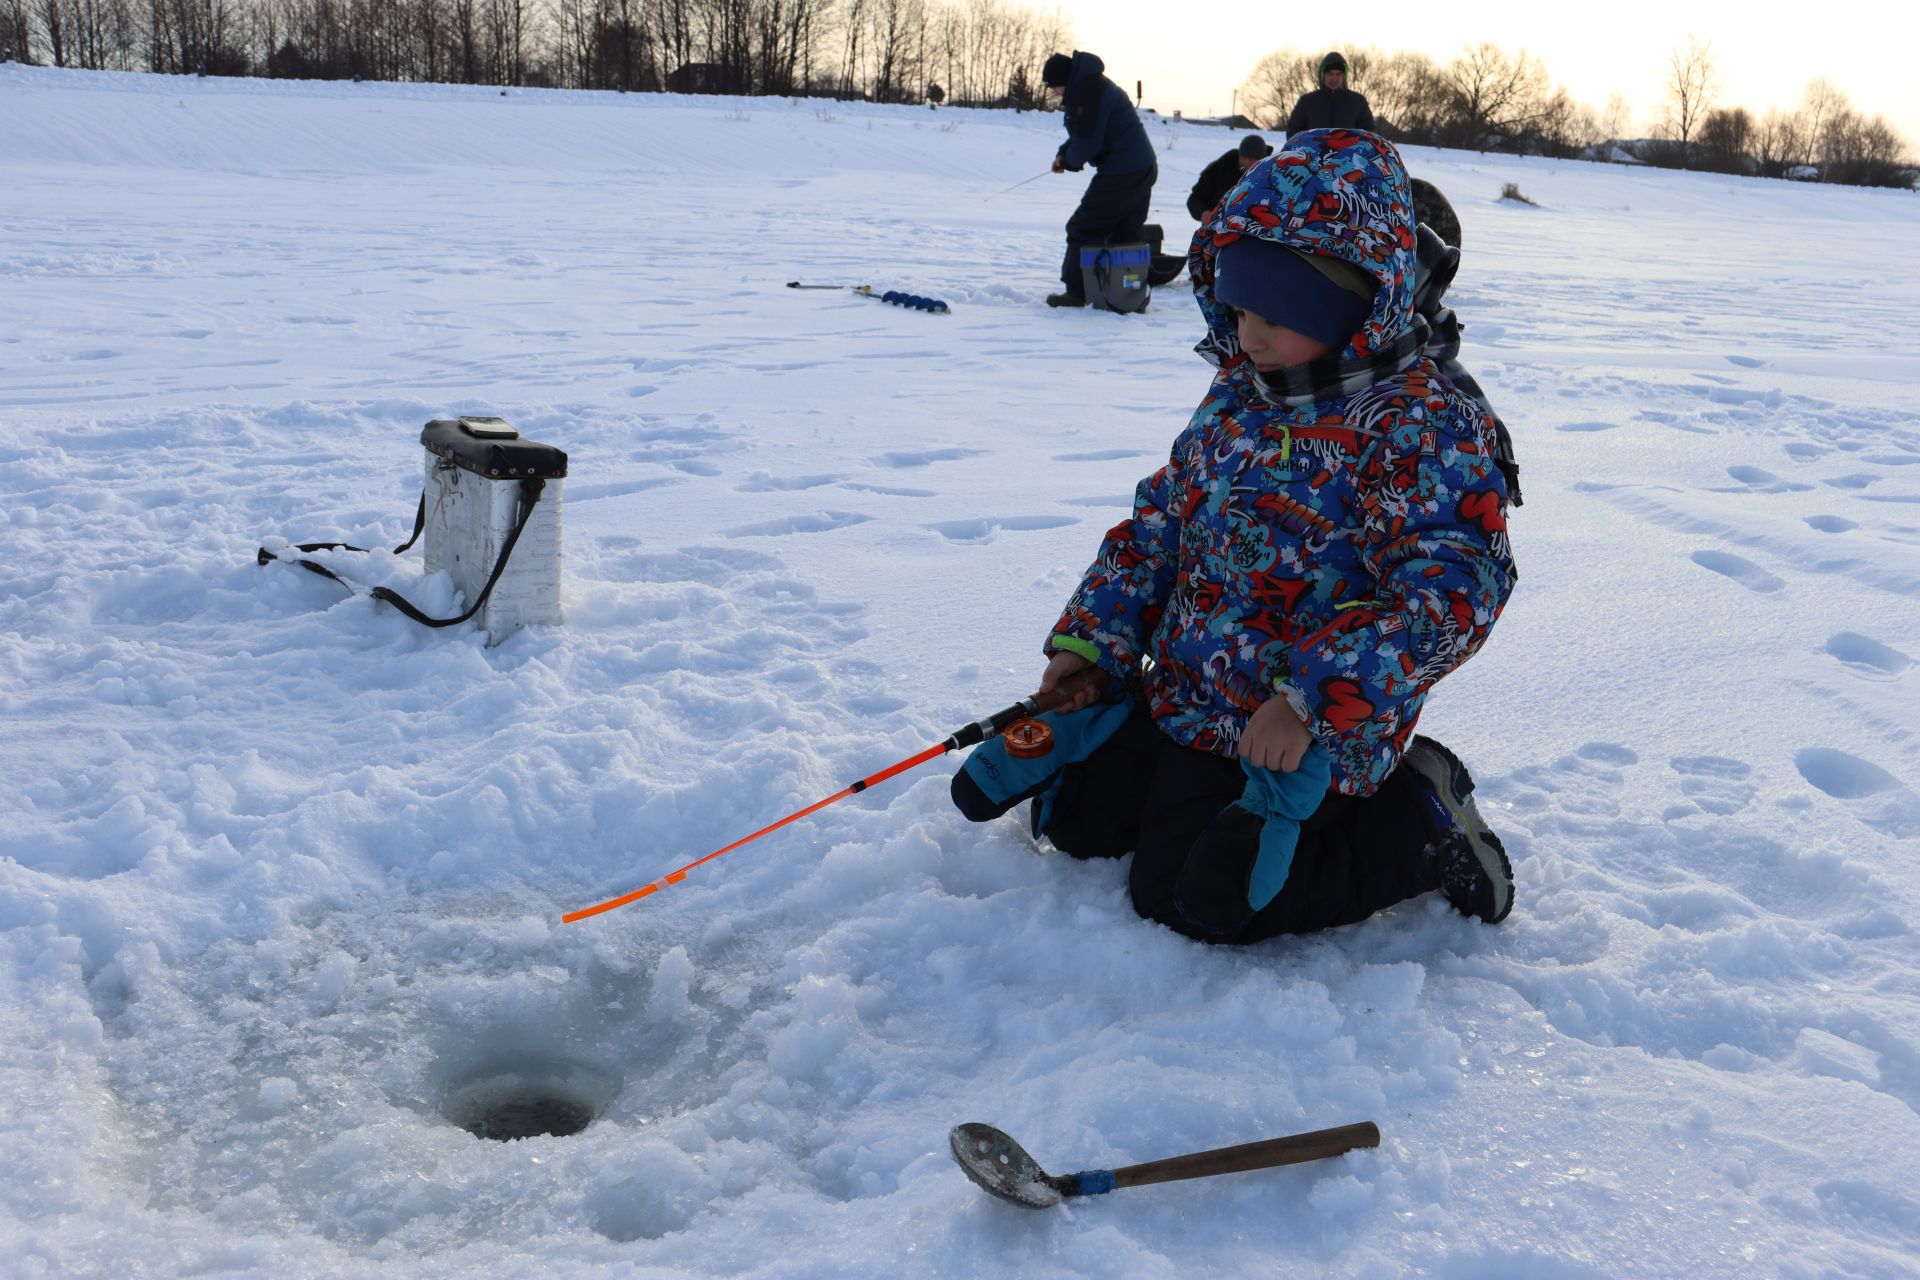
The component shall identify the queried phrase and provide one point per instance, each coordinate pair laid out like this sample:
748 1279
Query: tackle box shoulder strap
530 490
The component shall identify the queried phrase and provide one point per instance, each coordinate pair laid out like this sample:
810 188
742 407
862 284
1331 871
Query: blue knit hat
1323 298
1056 71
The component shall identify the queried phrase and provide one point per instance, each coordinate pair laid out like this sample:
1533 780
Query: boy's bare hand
1062 665
1275 738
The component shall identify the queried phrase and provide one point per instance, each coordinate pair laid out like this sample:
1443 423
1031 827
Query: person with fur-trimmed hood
1333 105
1327 540
1102 130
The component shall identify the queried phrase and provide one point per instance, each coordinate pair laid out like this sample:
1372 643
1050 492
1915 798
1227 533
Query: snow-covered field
281 873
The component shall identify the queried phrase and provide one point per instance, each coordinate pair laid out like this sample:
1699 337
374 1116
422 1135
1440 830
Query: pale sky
1765 53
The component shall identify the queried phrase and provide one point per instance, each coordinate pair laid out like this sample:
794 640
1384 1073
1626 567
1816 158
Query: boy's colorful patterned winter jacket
1337 528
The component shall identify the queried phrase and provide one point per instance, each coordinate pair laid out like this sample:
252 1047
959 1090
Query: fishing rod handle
1269 1154
1068 687
1063 692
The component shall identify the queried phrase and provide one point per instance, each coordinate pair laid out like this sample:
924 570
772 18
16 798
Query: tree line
1490 99
967 52
976 52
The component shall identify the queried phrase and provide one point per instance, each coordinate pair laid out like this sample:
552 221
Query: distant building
1612 152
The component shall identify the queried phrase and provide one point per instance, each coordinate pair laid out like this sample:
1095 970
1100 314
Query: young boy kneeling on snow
1327 540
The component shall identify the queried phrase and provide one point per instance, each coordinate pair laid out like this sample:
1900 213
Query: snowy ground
281 873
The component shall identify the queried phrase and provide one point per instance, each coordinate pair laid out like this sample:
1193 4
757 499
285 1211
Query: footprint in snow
767 482
819 522
1743 571
1764 481
1866 656
1609 753
887 490
981 529
1674 421
1714 784
588 492
1873 795
922 457
1587 426
1832 524
1747 362
1595 771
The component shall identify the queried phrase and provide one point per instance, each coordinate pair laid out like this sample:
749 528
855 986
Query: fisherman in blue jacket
1104 130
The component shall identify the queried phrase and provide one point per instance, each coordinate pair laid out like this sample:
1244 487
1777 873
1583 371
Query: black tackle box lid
489 447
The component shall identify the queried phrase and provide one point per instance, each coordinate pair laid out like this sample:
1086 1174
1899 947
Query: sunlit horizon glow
1196 67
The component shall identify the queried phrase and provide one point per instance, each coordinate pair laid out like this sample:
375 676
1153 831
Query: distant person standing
1218 178
1104 130
1332 105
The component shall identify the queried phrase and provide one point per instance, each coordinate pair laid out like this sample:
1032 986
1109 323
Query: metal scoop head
1001 1167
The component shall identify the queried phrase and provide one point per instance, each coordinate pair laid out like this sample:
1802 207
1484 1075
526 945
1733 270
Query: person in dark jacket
1218 178
1332 105
1102 130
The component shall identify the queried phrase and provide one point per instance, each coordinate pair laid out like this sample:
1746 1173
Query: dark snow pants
1144 793
1113 211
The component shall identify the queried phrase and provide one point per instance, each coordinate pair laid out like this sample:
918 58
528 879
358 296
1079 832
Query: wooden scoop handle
1268 1154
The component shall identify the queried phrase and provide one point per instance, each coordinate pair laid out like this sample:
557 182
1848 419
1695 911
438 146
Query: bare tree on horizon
1693 84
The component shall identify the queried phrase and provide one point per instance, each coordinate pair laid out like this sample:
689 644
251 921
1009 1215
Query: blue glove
992 781
1240 861
1285 800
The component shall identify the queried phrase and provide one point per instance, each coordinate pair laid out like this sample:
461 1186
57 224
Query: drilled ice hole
529 1098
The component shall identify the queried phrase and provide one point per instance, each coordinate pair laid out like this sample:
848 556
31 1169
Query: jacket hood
1085 64
1336 193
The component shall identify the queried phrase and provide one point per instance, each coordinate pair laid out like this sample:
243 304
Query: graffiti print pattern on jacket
1339 526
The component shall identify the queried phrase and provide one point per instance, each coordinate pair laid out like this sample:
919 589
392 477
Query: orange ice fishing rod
1035 739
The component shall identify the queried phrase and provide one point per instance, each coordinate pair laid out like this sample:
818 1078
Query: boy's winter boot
1065 299
1472 864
